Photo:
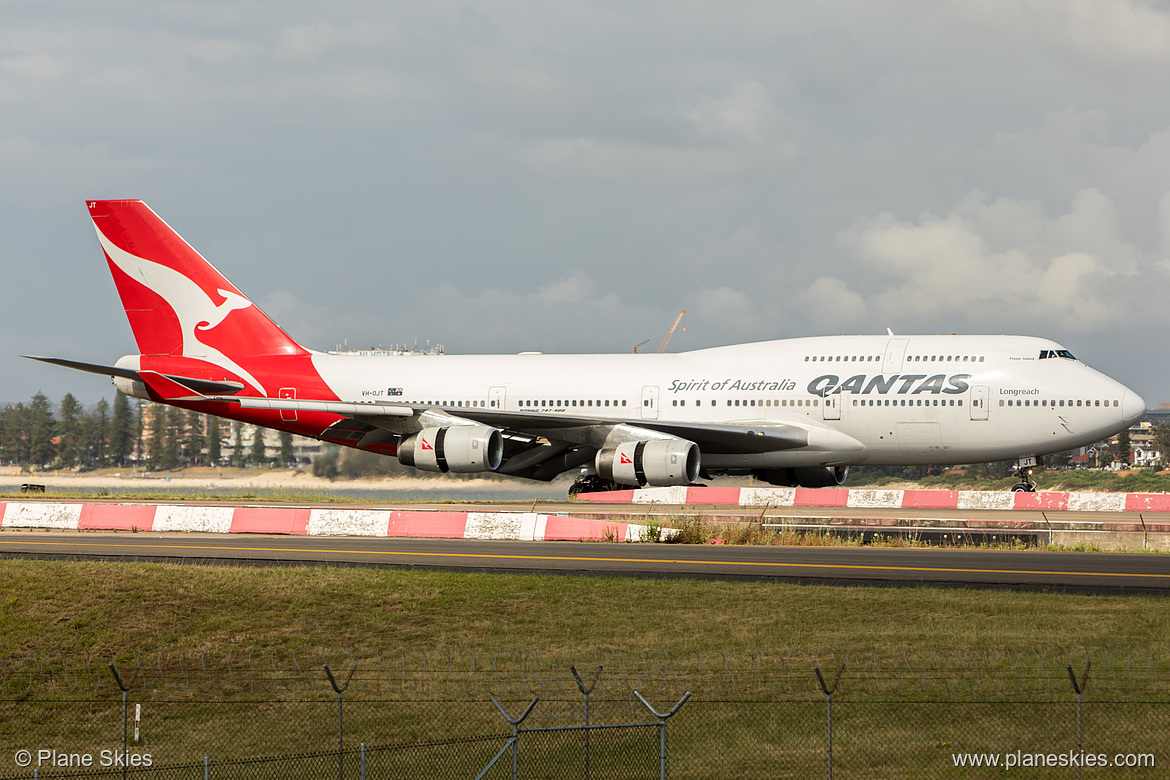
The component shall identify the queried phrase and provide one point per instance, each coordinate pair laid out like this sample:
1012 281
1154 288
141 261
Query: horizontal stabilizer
198 386
91 368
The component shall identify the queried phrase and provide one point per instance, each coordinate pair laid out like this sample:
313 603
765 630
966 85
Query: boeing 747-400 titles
790 412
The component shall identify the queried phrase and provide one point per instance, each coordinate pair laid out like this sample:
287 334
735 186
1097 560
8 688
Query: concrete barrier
661 495
777 496
891 499
117 517
436 525
520 526
874 498
985 499
714 496
270 520
930 499
1097 502
42 515
297 521
1042 500
201 519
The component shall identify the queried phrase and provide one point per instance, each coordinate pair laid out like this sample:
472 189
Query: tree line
126 434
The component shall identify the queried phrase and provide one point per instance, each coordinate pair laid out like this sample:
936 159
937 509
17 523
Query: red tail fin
177 303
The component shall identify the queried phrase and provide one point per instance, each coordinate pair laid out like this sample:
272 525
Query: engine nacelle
805 476
458 448
131 387
661 462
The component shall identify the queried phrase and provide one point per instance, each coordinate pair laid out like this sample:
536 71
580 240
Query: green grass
884 726
48 605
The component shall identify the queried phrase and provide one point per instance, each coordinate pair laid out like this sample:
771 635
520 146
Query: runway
875 566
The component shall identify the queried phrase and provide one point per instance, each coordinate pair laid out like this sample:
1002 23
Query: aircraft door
650 402
288 415
831 405
895 352
496 398
979 402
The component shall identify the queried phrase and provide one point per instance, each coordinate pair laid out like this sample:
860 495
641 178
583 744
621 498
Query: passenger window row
752 402
1054 402
560 403
456 403
944 359
907 402
909 359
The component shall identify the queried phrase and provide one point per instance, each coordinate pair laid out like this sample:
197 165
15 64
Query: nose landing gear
1024 473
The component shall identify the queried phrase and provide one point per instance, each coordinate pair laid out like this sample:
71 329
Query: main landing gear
1024 473
592 484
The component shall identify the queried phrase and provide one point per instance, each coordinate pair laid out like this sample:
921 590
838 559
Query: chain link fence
236 713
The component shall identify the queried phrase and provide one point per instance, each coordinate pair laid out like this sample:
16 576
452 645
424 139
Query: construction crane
669 333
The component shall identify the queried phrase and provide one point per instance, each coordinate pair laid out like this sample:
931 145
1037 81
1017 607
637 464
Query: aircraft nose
1133 407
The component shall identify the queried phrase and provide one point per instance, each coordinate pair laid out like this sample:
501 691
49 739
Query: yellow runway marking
587 559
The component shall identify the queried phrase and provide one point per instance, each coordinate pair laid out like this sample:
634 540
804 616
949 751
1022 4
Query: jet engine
661 462
458 448
805 476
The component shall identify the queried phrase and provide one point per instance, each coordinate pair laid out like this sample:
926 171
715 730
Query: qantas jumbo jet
791 412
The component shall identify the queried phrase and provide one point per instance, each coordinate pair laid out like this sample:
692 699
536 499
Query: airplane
792 412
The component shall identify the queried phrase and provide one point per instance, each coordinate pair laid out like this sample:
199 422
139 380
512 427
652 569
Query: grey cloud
566 177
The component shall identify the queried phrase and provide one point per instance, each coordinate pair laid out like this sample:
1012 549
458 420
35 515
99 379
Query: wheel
590 484
1023 487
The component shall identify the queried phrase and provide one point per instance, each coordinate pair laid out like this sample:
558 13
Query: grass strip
74 605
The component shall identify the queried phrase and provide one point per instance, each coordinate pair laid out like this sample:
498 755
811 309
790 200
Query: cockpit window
1056 353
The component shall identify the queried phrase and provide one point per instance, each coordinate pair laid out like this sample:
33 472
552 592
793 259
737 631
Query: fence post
586 690
1079 688
363 749
662 716
829 691
515 737
207 768
124 688
340 689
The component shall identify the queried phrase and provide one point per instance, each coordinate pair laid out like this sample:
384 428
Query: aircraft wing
537 446
711 437
353 409
525 430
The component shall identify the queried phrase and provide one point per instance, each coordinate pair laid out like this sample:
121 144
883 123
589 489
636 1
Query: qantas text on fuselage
791 412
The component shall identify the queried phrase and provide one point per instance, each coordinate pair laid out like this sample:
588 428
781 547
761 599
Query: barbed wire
296 673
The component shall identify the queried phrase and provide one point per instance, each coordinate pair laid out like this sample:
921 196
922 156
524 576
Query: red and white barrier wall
890 499
522 526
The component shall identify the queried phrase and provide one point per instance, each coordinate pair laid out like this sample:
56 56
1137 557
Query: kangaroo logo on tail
193 307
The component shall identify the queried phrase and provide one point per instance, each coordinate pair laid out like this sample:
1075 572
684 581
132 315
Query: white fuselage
878 400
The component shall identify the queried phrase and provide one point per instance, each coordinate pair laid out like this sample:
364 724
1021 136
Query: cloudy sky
566 176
